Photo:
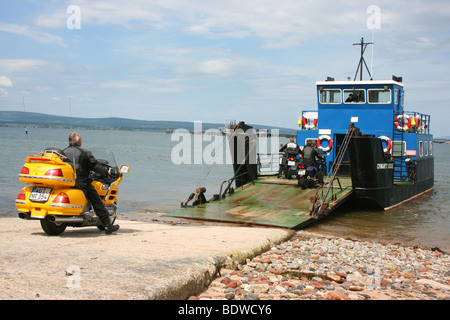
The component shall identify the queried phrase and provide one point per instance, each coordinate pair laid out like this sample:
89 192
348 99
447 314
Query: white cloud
279 23
147 84
20 65
25 30
220 67
5 82
124 13
3 93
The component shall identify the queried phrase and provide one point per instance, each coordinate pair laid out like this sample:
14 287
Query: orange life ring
330 143
406 124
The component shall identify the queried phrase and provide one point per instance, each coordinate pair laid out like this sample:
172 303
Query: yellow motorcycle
52 197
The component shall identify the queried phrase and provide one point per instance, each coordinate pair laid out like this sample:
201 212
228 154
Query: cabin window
398 148
421 148
379 96
330 96
431 148
354 96
426 148
397 99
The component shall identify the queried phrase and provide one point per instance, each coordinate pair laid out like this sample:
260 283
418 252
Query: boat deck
268 201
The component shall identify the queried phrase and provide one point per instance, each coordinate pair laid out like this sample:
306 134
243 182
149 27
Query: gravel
317 267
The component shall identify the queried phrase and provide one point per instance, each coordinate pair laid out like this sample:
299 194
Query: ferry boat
378 154
390 160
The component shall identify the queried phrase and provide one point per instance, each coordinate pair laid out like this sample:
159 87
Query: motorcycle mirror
124 168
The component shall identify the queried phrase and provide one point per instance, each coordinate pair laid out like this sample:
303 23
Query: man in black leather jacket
84 162
292 148
310 154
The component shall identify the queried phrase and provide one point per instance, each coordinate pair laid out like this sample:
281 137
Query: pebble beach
318 267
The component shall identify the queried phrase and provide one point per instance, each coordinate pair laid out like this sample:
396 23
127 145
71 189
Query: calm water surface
156 184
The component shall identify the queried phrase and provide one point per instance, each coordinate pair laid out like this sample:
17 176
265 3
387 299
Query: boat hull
372 174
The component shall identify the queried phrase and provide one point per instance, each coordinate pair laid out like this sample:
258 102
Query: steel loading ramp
269 201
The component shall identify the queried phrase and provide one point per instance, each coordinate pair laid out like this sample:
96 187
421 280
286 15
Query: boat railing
269 163
308 120
413 122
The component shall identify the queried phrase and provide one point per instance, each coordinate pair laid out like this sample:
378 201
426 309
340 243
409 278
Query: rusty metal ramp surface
268 201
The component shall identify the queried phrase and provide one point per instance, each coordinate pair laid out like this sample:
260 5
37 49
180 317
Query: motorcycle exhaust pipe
25 216
62 219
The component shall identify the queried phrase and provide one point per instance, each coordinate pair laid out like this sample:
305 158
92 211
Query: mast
361 59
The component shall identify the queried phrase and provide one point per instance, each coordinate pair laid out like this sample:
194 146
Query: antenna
361 59
25 120
24 115
70 113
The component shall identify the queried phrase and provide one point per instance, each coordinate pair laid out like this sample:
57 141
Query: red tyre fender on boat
388 141
330 143
406 125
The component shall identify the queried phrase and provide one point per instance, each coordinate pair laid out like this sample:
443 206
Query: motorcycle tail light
22 195
54 172
291 159
62 198
25 170
301 167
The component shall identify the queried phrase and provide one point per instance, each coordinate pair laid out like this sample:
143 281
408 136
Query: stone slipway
144 260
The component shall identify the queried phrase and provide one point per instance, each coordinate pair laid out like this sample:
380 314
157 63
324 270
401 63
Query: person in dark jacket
84 162
289 149
310 154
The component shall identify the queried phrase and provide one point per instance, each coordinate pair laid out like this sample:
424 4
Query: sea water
155 183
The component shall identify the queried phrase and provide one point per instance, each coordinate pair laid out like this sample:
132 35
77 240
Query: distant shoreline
40 120
440 141
12 125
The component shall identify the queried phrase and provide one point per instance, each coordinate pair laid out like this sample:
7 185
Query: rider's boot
110 228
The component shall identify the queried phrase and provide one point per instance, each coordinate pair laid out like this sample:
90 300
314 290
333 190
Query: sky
211 60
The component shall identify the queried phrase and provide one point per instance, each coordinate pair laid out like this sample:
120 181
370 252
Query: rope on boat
318 206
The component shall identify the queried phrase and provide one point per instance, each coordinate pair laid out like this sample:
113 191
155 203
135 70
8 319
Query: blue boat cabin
376 108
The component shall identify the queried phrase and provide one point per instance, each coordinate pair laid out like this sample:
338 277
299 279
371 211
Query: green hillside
33 119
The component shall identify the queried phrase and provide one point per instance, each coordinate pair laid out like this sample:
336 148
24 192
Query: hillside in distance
33 119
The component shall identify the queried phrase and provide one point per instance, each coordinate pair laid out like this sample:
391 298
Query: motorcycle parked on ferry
51 196
291 161
310 176
291 167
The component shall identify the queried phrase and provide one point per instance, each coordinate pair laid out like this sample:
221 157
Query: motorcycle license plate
301 172
291 163
40 194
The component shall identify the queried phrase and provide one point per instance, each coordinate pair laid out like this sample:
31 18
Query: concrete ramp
268 201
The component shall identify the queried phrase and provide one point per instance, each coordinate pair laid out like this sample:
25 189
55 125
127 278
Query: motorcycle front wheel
52 229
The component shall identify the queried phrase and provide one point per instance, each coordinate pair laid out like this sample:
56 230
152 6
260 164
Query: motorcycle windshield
104 156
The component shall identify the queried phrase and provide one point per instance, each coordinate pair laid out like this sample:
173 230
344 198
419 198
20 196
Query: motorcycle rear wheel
303 183
52 229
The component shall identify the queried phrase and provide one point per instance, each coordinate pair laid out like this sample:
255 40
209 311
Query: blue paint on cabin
377 109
